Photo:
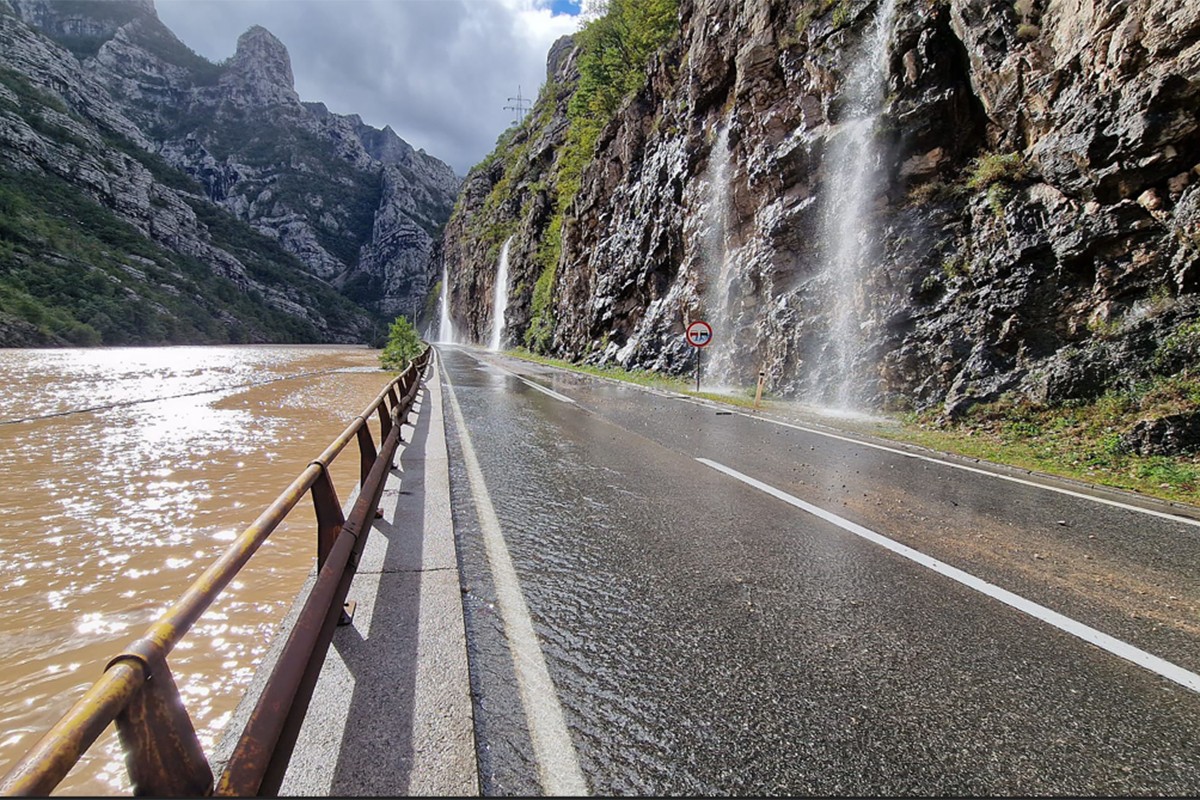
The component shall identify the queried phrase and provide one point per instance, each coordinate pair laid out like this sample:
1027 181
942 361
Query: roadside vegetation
1078 440
403 345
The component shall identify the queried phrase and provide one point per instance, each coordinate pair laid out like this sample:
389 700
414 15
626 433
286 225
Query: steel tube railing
49 761
307 642
147 722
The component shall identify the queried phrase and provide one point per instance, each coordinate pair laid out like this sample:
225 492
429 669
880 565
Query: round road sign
699 333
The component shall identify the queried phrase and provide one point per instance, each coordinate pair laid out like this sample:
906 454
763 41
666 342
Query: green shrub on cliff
613 53
994 168
614 50
1178 350
540 332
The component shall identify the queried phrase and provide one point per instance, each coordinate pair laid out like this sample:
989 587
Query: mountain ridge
354 207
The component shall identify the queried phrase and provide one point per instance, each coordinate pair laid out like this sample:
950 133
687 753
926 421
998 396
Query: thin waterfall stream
445 326
500 301
715 252
848 236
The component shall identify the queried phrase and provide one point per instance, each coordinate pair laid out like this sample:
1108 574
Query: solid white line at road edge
558 765
977 470
1173 672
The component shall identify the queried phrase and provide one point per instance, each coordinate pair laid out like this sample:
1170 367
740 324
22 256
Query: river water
123 474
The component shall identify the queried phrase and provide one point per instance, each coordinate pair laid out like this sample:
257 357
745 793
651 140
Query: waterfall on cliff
445 326
717 266
847 235
500 302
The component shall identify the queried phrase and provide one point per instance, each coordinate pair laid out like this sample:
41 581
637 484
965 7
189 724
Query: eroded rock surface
1058 275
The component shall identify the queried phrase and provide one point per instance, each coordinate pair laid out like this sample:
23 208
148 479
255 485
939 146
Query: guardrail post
162 752
393 399
366 453
385 418
329 515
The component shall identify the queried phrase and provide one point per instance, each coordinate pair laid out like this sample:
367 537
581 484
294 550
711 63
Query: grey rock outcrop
260 73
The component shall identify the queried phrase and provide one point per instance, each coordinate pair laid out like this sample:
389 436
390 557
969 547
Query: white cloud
438 71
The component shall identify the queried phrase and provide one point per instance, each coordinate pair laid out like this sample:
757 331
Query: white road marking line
931 459
530 383
1166 669
978 471
541 388
557 762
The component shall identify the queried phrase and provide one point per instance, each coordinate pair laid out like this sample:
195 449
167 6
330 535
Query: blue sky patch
565 7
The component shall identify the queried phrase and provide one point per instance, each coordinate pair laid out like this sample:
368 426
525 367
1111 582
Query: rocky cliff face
510 194
357 207
1022 191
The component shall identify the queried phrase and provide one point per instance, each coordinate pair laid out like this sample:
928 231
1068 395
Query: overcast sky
438 71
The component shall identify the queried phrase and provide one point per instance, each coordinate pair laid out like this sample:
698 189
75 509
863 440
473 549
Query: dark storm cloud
438 71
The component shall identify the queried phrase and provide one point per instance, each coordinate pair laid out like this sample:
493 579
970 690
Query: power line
521 108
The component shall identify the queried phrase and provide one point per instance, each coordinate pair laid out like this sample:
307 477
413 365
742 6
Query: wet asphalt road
705 637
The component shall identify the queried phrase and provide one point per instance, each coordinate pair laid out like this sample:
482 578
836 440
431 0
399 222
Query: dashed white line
542 389
531 384
1166 669
557 762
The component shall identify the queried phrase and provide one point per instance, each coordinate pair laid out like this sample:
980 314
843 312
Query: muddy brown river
124 472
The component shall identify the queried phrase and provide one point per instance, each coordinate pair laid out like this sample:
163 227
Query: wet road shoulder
705 638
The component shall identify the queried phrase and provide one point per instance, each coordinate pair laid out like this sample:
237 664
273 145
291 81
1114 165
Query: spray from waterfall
445 326
717 264
848 239
500 301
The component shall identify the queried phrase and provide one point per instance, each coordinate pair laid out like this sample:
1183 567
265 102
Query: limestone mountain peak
260 71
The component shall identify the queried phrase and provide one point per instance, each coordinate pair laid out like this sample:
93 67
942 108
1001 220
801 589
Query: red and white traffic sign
699 333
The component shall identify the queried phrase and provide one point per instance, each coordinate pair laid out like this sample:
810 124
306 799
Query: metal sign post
698 335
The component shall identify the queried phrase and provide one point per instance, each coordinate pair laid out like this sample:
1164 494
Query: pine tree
403 345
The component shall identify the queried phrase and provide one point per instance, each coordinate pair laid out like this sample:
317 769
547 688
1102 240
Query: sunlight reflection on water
107 515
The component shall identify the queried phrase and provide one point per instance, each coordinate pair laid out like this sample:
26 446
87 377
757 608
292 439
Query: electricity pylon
521 108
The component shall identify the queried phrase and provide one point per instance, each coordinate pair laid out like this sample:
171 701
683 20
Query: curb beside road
391 713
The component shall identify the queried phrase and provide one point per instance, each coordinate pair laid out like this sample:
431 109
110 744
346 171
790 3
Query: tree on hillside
614 51
403 345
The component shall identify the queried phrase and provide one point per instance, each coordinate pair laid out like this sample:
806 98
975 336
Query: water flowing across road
733 604
125 473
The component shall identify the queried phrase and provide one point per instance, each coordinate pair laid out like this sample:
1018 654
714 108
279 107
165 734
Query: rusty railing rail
163 755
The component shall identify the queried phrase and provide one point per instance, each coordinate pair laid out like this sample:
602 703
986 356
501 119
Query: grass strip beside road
1080 441
641 377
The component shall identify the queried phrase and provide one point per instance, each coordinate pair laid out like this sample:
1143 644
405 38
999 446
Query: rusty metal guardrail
163 755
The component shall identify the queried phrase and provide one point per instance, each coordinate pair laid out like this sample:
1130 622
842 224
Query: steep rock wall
511 193
93 226
1035 230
